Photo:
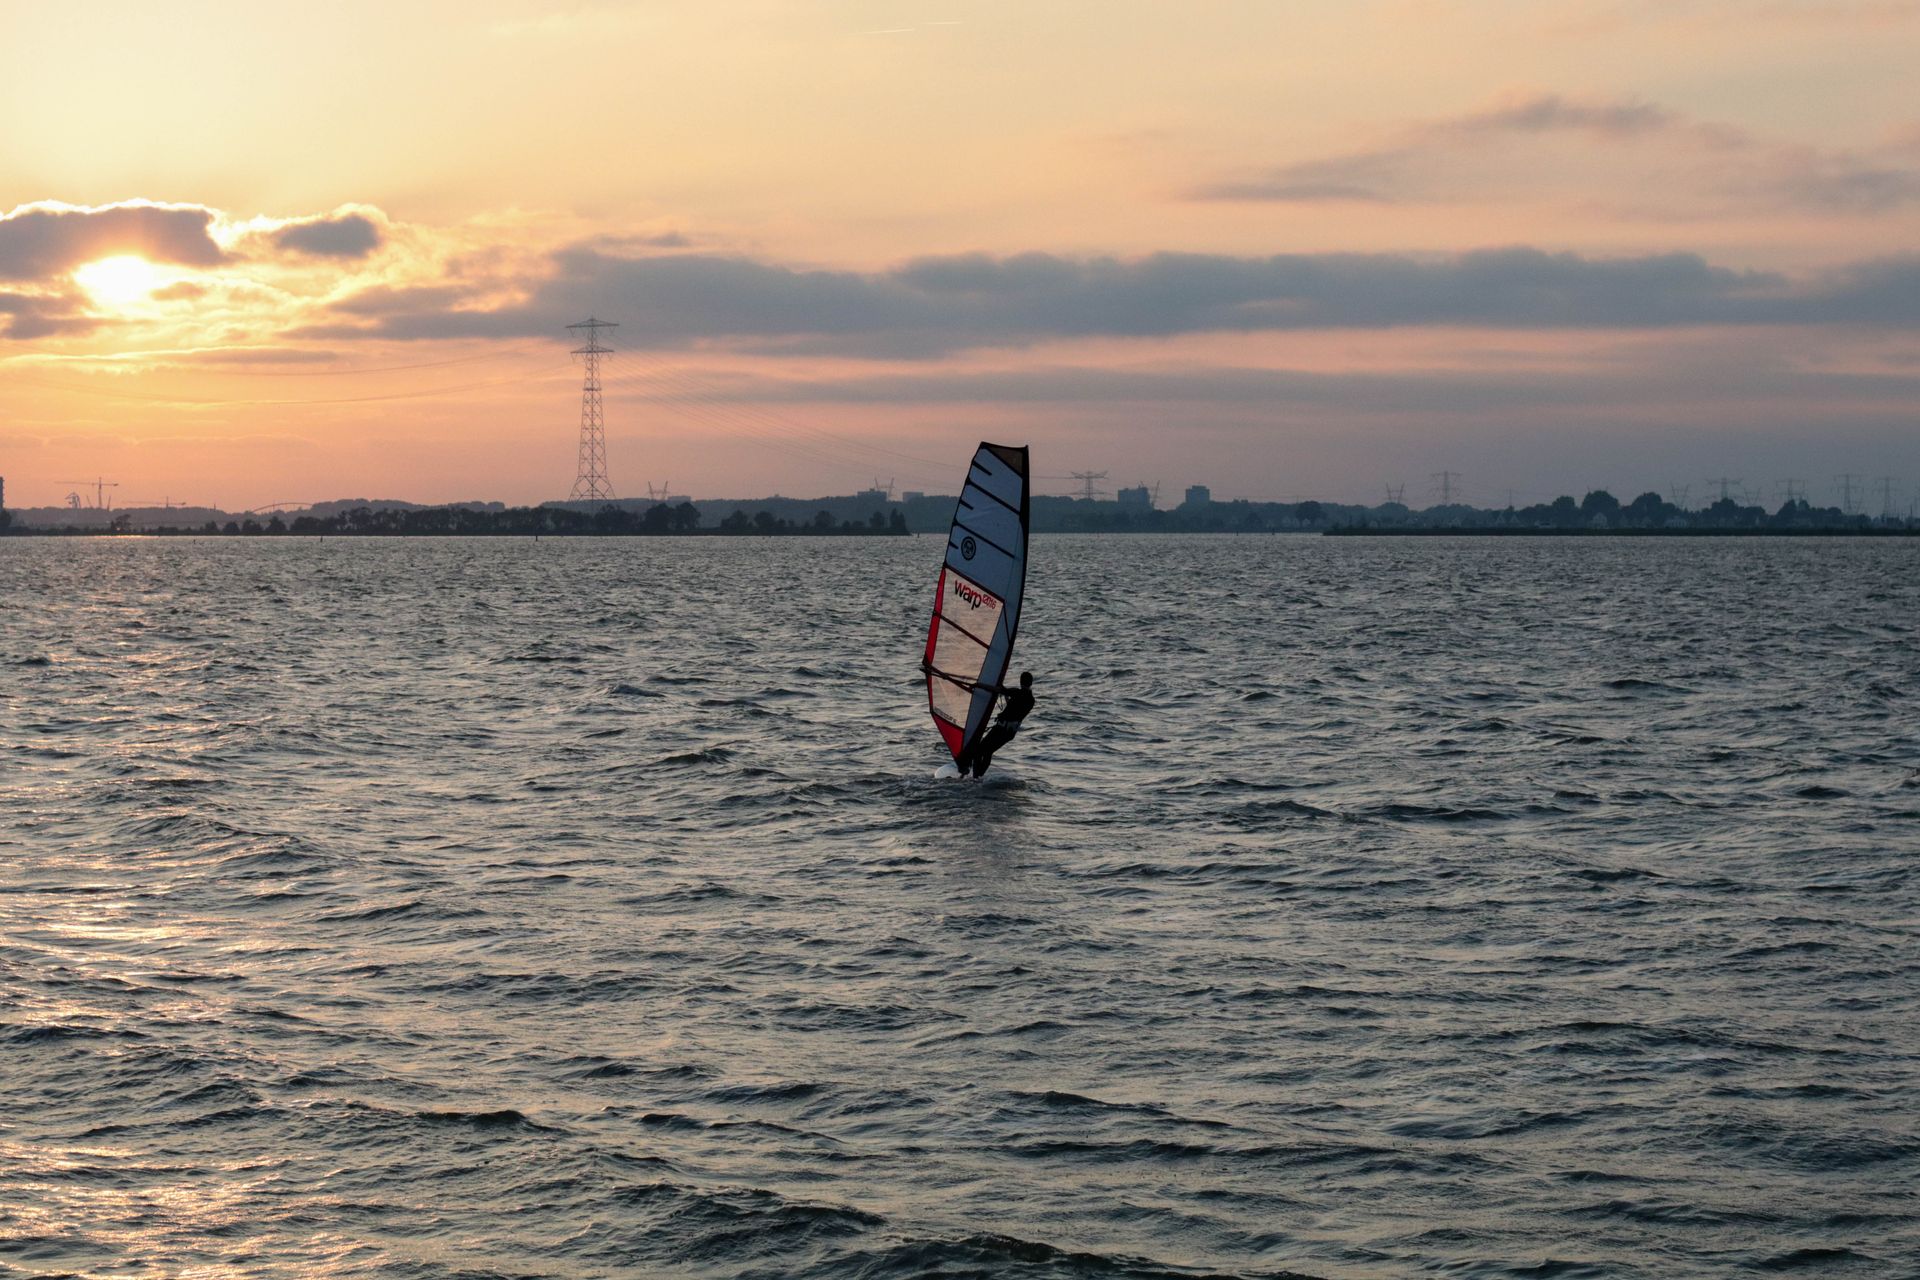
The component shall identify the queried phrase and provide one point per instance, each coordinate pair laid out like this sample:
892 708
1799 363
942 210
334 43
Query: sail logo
967 548
975 598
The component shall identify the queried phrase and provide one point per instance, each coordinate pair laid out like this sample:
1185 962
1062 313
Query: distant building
1136 497
1198 495
873 495
912 495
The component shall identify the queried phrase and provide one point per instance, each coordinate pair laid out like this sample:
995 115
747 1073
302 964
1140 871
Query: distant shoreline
801 531
1503 531
280 535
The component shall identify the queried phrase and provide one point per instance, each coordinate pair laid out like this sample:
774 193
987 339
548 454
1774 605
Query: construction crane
100 488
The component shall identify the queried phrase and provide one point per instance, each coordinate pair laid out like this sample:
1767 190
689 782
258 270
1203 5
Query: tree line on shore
1599 511
659 520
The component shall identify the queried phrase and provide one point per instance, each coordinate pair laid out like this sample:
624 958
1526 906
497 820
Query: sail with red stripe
976 602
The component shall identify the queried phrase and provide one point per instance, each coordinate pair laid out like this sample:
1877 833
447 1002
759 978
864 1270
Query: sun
120 281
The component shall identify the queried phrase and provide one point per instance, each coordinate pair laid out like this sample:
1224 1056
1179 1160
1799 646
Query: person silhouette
1016 708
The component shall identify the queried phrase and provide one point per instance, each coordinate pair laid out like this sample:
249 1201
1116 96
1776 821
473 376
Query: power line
719 414
680 387
774 429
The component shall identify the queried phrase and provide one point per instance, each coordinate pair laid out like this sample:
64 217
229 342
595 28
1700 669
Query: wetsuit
1019 702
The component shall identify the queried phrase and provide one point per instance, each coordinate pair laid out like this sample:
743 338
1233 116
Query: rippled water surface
579 908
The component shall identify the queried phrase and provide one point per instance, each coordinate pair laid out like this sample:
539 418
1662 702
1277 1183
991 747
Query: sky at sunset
1302 248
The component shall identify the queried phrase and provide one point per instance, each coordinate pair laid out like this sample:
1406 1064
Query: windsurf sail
976 604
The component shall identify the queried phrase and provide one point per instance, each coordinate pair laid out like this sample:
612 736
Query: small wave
53 1031
1401 812
708 755
1058 1100
793 1091
1613 875
1039 1026
539 653
1631 684
506 1118
727 1226
710 891
1673 1213
991 1254
1255 810
634 691
387 912
1821 1256
1804 946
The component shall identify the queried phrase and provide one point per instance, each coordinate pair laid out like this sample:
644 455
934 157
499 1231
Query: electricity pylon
590 481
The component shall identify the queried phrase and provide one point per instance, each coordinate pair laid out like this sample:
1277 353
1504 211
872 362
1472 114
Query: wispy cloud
1553 146
29 316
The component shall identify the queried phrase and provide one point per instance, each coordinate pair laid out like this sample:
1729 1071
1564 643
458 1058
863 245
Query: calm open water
479 908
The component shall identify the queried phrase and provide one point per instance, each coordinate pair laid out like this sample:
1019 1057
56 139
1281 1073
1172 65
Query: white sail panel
967 616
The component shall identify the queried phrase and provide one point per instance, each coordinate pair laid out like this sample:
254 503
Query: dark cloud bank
353 235
41 243
934 305
44 240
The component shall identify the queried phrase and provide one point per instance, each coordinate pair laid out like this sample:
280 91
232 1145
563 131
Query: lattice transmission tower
591 480
1086 478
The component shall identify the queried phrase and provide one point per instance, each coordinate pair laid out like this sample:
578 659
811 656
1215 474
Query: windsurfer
1016 708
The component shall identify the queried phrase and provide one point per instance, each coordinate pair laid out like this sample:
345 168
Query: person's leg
991 741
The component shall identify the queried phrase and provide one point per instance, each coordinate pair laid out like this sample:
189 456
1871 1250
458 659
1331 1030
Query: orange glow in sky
256 253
